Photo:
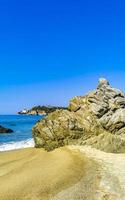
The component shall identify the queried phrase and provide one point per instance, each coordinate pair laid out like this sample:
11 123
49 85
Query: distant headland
40 110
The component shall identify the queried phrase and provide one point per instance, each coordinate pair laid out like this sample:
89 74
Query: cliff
96 119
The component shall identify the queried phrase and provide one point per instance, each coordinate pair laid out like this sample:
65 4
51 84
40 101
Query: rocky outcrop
5 130
96 119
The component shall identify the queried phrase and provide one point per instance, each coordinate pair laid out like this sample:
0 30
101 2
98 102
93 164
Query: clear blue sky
52 50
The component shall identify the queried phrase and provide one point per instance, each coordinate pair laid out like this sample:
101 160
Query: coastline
22 131
4 147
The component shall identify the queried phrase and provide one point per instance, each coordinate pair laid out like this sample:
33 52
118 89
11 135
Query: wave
16 145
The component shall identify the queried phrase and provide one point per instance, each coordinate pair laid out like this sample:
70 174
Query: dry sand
68 173
38 175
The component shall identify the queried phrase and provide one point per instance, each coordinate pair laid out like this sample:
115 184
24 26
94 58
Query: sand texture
68 173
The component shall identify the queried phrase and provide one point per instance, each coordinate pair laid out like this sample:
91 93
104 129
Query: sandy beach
68 173
35 174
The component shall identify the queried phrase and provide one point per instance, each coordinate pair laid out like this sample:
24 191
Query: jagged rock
63 127
96 119
5 130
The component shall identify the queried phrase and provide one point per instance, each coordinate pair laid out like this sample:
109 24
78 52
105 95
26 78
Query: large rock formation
96 119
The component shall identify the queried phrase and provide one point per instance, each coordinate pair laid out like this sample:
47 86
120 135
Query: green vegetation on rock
41 110
47 109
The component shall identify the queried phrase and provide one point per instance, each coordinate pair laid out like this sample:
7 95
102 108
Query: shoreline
22 131
5 147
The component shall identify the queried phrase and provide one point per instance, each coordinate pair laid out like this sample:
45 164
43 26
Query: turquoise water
22 127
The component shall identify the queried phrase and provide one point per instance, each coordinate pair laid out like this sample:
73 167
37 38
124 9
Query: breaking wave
16 145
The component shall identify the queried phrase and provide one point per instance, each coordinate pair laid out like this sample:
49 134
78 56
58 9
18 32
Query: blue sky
53 50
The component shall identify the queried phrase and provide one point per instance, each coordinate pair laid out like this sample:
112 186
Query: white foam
17 145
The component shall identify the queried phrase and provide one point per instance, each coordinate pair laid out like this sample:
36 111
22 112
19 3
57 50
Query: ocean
22 135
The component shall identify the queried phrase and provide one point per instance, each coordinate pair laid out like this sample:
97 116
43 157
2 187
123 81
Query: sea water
22 135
